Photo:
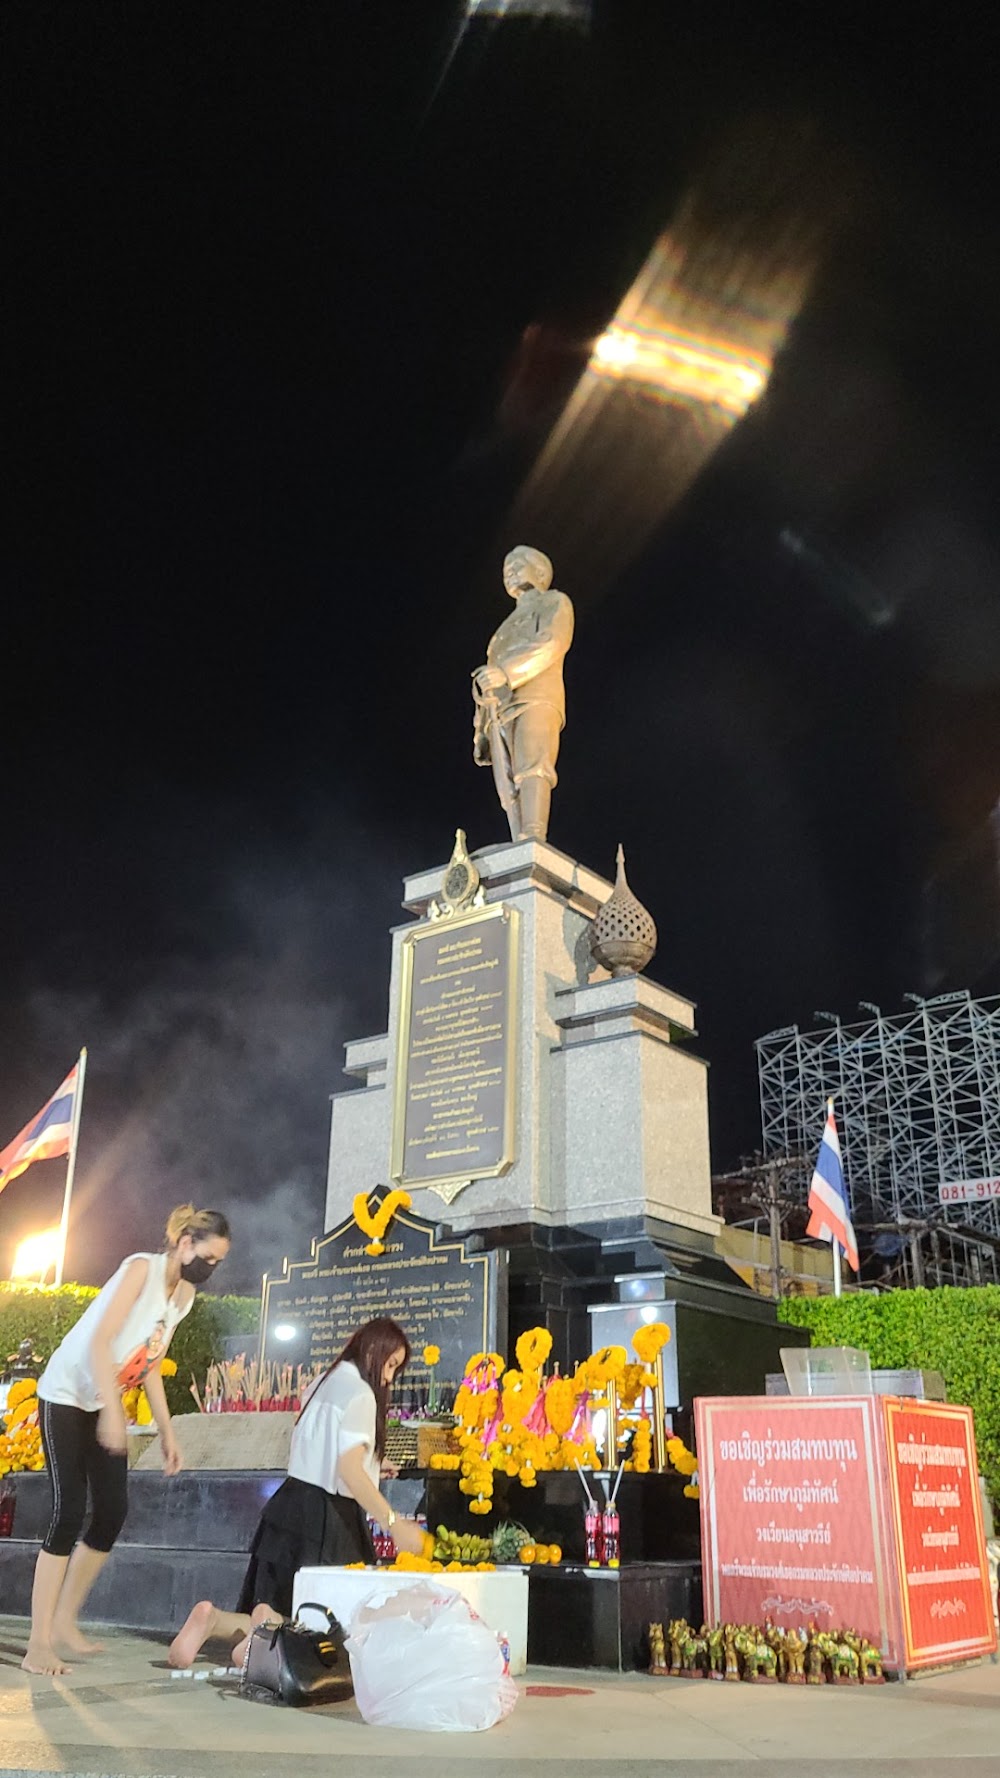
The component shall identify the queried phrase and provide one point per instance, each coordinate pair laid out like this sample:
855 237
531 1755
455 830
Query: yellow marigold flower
168 1367
432 1354
649 1340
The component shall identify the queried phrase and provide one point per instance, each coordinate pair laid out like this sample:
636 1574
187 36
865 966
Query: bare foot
261 1614
74 1643
200 1625
39 1658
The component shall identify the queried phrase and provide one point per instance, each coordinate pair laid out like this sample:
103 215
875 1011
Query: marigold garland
633 1380
686 1463
375 1224
23 1390
642 1447
533 1348
21 1441
649 1340
605 1366
560 1404
516 1423
23 1411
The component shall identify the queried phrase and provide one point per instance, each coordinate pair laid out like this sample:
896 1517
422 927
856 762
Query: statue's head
525 566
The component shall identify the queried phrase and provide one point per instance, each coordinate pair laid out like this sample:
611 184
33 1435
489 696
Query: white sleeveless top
68 1378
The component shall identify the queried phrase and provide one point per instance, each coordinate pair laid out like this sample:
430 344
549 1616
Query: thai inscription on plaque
437 1291
453 1107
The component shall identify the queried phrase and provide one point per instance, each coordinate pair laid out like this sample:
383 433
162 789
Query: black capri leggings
77 1462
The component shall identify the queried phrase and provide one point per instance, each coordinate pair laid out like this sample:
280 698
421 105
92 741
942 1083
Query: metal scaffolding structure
917 1098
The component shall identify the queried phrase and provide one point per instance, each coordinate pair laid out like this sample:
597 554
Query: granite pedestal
611 1108
608 1172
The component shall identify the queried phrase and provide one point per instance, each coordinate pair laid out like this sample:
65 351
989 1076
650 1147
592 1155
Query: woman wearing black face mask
118 1343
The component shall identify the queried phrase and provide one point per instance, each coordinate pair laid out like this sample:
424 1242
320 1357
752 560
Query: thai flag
830 1218
46 1136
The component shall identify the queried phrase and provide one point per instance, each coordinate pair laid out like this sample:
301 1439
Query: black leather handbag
287 1663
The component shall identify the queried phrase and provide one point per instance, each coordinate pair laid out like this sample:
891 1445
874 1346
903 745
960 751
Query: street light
37 1255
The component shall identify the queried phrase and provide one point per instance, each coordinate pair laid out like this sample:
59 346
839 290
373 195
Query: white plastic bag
422 1659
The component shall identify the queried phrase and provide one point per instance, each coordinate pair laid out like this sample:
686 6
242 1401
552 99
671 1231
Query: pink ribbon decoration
582 1427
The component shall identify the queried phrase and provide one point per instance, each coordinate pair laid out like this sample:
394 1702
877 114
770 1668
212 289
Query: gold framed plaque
453 1114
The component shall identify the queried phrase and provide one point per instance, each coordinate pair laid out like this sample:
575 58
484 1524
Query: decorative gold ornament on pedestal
623 938
461 887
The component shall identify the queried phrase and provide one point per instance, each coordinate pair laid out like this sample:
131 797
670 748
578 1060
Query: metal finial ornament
623 938
461 887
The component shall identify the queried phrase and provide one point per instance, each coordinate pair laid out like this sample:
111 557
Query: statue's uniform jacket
528 648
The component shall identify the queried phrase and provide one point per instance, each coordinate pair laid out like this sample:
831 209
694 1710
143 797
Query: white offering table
500 1598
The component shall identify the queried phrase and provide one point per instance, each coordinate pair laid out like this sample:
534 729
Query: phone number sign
968 1191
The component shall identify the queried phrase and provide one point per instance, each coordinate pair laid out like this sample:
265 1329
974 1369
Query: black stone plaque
453 1109
436 1292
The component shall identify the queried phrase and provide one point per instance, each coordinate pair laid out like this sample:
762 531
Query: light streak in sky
671 363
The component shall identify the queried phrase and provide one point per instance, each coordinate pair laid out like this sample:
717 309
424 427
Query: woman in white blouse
319 1515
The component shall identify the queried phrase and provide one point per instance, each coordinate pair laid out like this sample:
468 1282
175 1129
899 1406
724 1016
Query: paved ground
122 1716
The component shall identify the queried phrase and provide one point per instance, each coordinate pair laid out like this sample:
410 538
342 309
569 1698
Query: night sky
293 298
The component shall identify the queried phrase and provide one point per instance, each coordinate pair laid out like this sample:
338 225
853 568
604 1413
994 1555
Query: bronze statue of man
519 694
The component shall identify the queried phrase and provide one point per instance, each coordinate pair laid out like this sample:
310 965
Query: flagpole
834 1243
71 1164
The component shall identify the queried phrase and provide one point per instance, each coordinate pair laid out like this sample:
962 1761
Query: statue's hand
489 678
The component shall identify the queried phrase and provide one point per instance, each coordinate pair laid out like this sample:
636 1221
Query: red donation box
938 1526
848 1512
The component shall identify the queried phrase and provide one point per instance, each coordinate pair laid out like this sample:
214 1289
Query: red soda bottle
592 1537
610 1536
7 1513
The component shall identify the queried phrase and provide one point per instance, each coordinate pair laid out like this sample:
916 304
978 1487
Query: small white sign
969 1191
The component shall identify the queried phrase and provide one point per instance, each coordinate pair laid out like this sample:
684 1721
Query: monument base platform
186 1538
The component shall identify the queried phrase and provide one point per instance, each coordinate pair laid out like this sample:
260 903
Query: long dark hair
369 1350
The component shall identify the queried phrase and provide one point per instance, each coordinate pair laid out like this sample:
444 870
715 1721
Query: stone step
196 1510
139 1588
214 1509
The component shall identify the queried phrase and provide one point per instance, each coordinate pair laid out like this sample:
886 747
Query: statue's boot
534 800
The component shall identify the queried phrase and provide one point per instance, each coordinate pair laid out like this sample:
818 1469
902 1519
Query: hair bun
178 1222
186 1220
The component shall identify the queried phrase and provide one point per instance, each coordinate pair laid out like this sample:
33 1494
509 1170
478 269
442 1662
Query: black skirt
302 1526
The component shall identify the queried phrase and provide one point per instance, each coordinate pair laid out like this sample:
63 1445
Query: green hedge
956 1332
44 1315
